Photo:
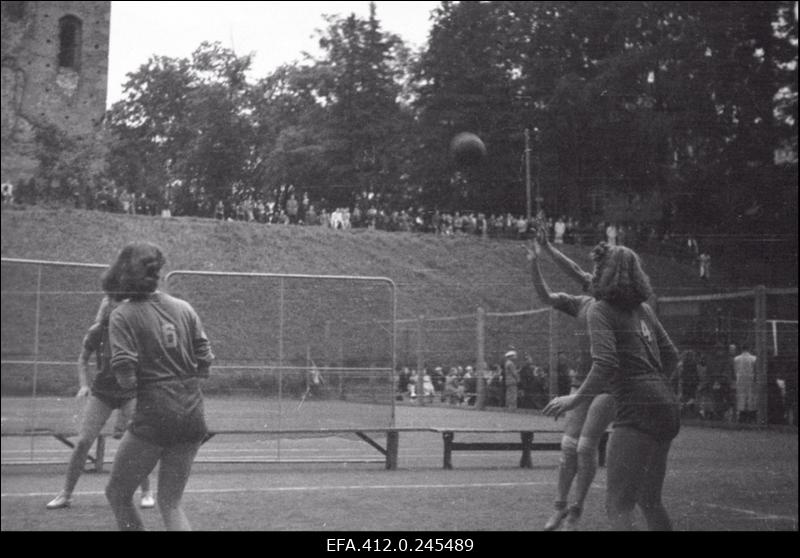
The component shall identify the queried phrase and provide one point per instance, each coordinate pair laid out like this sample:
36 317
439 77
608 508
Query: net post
34 407
761 351
480 364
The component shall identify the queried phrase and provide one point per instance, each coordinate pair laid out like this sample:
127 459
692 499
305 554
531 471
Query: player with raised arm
104 395
586 423
634 356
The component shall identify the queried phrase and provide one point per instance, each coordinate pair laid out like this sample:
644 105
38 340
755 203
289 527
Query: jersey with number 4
633 352
161 336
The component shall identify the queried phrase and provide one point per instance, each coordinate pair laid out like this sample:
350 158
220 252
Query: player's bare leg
173 474
599 416
95 416
568 466
135 459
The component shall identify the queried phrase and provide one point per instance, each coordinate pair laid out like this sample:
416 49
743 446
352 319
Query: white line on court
754 514
319 488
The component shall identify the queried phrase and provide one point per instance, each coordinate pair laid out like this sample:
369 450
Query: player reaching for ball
632 353
586 423
102 398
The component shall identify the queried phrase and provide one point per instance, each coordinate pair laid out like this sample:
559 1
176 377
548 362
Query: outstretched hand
560 405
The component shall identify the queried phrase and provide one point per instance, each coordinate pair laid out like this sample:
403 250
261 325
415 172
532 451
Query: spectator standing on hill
744 367
8 193
292 208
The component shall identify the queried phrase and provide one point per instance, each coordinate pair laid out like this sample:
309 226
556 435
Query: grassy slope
435 276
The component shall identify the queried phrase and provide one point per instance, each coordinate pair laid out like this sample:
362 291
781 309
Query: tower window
69 37
14 11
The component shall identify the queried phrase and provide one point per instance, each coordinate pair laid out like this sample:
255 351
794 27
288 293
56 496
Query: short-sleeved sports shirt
161 336
633 351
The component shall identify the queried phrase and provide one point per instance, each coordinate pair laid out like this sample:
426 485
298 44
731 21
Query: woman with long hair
634 356
158 347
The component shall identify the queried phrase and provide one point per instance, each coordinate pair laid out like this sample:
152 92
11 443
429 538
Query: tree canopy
684 113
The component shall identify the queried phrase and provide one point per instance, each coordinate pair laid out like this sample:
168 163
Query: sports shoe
555 520
59 502
147 501
573 519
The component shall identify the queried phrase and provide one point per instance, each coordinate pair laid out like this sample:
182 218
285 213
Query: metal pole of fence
34 407
420 359
480 364
341 374
553 355
761 351
280 362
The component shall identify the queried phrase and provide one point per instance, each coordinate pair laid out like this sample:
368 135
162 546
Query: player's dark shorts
170 412
650 407
112 400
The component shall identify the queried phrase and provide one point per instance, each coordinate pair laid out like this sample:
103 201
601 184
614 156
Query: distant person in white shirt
744 368
611 234
560 229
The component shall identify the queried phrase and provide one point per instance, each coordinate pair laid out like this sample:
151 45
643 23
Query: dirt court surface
718 480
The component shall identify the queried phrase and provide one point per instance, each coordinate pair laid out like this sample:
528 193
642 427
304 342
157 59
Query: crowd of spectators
457 385
287 205
706 382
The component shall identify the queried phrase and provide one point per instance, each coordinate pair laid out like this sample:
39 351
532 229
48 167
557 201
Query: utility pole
528 174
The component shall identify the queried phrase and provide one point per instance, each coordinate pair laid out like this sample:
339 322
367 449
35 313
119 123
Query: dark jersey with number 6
160 339
161 336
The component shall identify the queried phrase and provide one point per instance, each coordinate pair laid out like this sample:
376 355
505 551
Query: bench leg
527 441
392 447
100 453
601 450
447 437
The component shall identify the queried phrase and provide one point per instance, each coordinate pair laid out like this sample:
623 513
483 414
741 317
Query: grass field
728 480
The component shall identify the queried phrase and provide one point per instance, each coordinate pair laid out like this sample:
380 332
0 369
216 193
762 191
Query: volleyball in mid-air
467 149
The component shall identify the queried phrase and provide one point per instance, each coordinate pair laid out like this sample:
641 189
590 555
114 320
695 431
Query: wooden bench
526 444
389 453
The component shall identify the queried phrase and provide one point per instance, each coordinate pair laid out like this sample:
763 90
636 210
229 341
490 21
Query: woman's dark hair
618 277
134 273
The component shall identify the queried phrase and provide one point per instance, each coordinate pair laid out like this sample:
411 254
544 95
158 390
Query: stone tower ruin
55 73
